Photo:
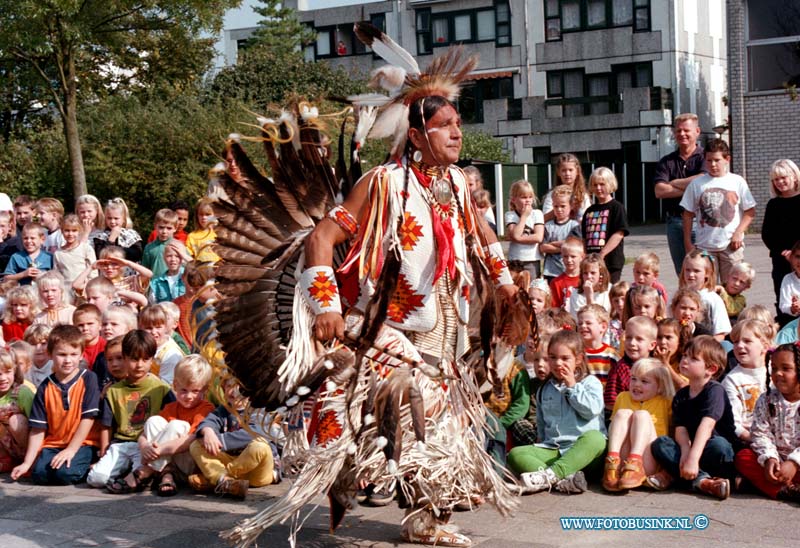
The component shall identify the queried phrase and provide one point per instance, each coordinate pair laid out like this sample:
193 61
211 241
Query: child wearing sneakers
231 458
569 418
704 427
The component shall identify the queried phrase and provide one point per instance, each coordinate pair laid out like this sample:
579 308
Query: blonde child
100 292
153 257
569 421
169 286
22 305
747 381
50 213
616 297
539 293
36 336
557 230
32 262
182 212
117 322
22 354
643 300
232 458
669 349
704 429
641 333
525 227
75 255
155 321
16 399
772 462
778 235
592 326
90 214
640 415
563 286
593 287
569 174
119 231
54 300
173 313
165 440
698 273
605 223
739 280
198 241
646 269
761 313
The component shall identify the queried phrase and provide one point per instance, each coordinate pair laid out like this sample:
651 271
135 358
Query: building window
562 16
474 93
773 45
444 29
572 93
323 43
424 40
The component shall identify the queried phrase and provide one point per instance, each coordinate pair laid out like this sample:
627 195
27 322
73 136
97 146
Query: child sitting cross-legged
164 443
127 406
701 453
569 422
640 415
61 445
231 458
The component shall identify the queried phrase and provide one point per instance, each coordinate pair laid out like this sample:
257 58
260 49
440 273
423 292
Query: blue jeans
716 460
43 474
677 251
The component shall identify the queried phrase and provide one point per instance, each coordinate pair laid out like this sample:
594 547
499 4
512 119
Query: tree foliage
279 30
86 49
478 145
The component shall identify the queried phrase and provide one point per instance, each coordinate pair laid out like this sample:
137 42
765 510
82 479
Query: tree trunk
71 132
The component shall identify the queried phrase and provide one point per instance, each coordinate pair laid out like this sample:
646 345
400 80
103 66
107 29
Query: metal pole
498 191
644 201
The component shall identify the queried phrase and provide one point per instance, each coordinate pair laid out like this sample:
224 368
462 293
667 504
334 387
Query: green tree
82 49
478 145
280 30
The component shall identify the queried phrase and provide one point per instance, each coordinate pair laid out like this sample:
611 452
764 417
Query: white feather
392 53
330 386
391 466
369 100
328 364
366 119
389 78
369 418
234 137
380 442
388 121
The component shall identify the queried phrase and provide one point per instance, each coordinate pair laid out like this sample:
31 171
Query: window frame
480 95
450 16
751 44
583 18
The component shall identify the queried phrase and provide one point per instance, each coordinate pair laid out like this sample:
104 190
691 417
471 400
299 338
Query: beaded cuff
344 219
318 285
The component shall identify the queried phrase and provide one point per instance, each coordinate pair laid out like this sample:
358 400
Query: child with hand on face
60 444
90 214
569 419
669 349
704 428
111 265
28 265
169 286
593 287
198 242
230 458
772 462
525 226
732 291
640 415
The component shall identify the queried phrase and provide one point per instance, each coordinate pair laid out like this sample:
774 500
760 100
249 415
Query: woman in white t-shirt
525 227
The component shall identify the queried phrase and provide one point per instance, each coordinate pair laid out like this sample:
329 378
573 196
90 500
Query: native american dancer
394 401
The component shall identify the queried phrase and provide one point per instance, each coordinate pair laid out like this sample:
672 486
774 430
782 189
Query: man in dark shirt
674 172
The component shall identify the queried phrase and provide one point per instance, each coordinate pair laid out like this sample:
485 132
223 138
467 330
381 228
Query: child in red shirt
87 318
561 286
22 305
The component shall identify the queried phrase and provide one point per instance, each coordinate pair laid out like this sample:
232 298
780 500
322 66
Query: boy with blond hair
173 313
50 212
153 257
155 320
732 291
645 272
60 447
592 325
641 335
562 286
164 443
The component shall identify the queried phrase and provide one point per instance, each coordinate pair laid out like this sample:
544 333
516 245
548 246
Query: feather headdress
405 83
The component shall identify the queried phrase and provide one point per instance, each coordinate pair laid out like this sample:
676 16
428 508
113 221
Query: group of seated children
684 400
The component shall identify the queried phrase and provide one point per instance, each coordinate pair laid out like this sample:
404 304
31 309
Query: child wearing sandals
640 415
164 443
569 418
772 462
125 409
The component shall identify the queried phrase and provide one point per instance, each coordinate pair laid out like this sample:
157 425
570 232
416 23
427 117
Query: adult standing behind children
724 208
674 172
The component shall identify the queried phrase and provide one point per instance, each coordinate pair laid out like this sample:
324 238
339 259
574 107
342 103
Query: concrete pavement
33 515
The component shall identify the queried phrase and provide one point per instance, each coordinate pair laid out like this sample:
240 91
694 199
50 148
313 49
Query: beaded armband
496 263
344 219
318 285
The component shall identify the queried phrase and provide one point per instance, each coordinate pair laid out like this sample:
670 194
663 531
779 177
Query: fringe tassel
300 354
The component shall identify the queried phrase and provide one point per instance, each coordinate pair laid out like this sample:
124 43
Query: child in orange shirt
60 426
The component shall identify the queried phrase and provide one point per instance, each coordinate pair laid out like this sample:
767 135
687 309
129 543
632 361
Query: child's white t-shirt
524 252
578 300
717 204
744 386
716 314
790 286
